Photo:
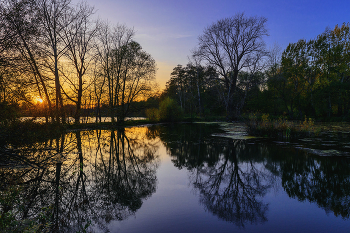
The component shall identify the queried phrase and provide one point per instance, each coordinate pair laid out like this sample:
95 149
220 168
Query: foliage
152 114
170 111
281 128
194 88
311 79
9 223
8 112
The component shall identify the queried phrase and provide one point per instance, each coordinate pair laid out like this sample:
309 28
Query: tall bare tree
135 73
55 16
79 39
231 45
128 69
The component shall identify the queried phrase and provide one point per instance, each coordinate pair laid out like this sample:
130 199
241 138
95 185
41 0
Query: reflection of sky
168 30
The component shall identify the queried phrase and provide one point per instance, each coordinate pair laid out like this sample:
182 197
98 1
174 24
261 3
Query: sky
169 30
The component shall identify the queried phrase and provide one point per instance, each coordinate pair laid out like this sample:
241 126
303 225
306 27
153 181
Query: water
82 119
180 178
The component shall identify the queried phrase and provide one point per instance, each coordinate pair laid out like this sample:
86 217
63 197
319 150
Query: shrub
282 128
152 114
170 111
9 112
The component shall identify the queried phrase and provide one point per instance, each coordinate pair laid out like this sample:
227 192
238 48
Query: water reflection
233 176
83 179
225 172
87 179
321 180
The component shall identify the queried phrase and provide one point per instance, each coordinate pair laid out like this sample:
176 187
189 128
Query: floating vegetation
236 131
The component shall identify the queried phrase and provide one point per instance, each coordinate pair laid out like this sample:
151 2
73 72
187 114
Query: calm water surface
180 179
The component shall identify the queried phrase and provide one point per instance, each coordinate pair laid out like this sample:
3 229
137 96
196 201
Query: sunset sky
168 30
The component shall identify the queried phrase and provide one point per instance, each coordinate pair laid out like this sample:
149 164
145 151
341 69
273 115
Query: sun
38 100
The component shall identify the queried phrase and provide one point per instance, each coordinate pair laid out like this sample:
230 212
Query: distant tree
193 87
170 111
135 71
128 69
231 45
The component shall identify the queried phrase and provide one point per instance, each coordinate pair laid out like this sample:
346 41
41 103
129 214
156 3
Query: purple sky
168 30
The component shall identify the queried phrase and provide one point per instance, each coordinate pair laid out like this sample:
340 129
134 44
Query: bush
152 114
170 111
281 128
9 112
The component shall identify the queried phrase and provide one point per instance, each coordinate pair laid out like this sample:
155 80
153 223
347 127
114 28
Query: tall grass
281 128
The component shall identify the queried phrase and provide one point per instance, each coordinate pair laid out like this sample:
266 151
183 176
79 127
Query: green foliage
281 128
9 201
152 114
195 89
312 78
170 111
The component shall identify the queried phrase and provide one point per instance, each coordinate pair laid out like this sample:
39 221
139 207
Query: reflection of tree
124 175
231 188
189 145
227 176
325 181
84 178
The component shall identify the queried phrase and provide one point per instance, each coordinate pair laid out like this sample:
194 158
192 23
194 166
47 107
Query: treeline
312 78
55 55
231 73
57 61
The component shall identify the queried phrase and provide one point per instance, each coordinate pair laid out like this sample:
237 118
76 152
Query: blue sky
168 30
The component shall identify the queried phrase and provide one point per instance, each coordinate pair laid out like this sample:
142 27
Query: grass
282 128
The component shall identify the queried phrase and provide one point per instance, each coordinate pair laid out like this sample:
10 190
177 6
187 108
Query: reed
281 128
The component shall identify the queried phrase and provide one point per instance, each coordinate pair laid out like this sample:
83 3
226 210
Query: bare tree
137 77
19 25
128 69
79 38
55 16
232 45
109 40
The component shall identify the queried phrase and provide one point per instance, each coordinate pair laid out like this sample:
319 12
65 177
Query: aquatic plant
281 128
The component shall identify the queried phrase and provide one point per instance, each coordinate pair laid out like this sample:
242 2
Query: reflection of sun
38 100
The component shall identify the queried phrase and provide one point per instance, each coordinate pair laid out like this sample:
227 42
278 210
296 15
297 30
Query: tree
108 40
192 87
20 39
313 77
295 62
79 38
231 45
129 70
55 16
135 72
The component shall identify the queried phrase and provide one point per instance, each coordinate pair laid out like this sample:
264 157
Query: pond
179 178
84 119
